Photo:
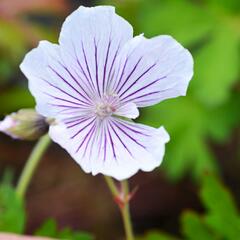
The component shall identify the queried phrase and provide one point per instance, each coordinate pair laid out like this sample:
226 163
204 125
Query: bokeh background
195 194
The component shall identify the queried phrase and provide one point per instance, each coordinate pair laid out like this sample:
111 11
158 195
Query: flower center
106 106
104 110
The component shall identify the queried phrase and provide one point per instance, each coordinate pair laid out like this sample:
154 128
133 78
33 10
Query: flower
25 124
96 78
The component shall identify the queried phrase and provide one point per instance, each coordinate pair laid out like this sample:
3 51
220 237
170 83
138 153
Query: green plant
220 221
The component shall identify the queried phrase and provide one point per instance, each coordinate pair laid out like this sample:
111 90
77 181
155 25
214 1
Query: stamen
106 106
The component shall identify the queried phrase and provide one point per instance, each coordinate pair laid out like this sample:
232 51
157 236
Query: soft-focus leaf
216 68
220 121
222 215
188 23
225 5
49 229
193 227
157 235
12 214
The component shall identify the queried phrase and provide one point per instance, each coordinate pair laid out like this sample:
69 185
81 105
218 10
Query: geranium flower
97 78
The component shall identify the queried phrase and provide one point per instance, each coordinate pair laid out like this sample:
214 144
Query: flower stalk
122 198
31 165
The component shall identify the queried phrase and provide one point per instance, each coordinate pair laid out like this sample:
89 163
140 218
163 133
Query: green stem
111 185
31 165
126 212
124 208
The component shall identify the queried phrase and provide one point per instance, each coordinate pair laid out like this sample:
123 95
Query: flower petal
118 148
128 110
151 70
54 87
91 39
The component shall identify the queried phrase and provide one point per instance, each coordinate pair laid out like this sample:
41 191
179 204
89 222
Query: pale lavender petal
128 110
90 41
54 87
148 71
113 147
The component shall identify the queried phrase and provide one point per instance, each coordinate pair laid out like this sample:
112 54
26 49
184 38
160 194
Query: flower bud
26 124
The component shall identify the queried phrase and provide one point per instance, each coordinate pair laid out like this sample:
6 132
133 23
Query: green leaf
225 5
221 120
216 68
12 213
194 228
187 22
49 229
222 215
157 235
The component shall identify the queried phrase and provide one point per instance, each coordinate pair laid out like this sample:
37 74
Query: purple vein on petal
144 73
148 94
63 106
65 81
111 68
143 88
130 128
144 95
88 141
85 138
105 145
74 119
105 66
133 70
87 97
64 100
81 67
83 128
125 133
122 72
79 122
120 140
96 67
112 144
86 63
56 87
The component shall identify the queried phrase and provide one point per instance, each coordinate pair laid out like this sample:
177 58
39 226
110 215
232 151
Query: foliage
49 229
12 213
210 111
221 220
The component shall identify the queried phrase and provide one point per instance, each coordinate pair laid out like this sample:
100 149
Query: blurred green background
204 128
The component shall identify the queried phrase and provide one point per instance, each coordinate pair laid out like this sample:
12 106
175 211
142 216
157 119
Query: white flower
98 75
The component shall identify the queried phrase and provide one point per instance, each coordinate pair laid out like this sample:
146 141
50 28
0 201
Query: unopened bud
26 124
